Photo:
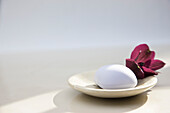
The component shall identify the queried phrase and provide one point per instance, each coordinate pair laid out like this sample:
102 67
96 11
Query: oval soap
115 77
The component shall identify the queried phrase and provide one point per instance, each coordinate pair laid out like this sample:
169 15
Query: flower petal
139 48
130 63
149 72
147 63
156 64
145 56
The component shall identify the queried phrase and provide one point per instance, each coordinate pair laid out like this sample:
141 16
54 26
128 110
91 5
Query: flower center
141 63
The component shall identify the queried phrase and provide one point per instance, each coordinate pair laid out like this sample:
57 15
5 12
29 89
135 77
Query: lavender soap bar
115 77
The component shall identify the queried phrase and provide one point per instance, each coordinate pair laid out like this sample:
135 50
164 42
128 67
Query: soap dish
84 82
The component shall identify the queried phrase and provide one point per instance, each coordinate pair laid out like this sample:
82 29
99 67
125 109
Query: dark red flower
142 62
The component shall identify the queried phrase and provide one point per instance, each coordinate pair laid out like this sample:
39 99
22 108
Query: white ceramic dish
84 82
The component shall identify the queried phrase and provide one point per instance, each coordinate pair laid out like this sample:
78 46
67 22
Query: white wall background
62 24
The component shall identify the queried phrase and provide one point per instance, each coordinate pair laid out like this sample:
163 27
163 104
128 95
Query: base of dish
84 82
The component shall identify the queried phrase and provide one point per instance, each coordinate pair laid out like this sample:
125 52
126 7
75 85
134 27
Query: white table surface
36 82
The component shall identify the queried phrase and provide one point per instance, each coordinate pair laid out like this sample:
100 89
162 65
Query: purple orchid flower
142 62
